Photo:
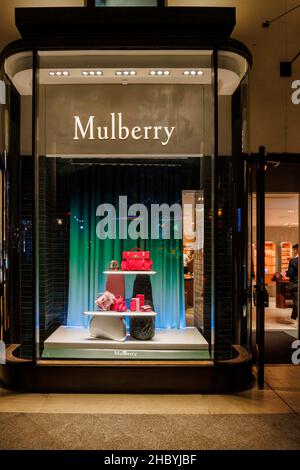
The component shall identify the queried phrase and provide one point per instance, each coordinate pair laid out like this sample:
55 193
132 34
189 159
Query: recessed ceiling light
58 73
125 72
91 73
193 73
160 72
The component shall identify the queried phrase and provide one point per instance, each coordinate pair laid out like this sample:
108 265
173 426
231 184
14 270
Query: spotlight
91 73
193 73
125 73
159 72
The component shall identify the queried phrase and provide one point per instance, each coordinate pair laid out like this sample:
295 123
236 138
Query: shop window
125 167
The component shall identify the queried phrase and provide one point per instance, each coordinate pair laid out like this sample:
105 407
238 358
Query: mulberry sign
93 120
117 130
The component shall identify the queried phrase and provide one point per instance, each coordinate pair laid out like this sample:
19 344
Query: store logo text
116 130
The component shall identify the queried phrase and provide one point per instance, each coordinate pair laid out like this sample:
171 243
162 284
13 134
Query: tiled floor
255 419
285 381
277 318
254 401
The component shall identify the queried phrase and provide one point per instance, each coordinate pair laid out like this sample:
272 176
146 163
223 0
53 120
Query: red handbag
136 260
119 304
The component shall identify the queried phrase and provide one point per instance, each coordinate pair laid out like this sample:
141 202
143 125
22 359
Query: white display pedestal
141 327
111 325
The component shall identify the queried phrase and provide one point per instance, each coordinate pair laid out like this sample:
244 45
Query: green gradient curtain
89 256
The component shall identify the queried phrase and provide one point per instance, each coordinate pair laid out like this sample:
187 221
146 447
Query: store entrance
281 251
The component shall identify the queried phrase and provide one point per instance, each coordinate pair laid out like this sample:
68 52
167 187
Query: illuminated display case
100 122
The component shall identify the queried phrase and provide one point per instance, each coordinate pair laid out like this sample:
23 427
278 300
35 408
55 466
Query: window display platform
75 342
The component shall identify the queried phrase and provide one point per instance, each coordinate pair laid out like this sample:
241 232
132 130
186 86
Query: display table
142 324
111 325
281 292
75 342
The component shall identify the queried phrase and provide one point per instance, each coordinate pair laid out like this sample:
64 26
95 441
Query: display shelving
119 271
270 260
285 255
113 314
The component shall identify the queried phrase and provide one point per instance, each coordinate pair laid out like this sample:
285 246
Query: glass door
280 252
260 266
4 135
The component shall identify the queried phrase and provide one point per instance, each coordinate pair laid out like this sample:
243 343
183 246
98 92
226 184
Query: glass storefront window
16 225
119 148
125 160
233 309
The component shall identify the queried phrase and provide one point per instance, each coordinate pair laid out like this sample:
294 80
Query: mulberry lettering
118 131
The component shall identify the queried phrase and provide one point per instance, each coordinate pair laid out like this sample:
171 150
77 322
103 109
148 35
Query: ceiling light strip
193 73
59 73
160 73
91 73
125 73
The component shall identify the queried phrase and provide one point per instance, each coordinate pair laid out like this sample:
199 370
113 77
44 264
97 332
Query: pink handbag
105 301
137 260
119 304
